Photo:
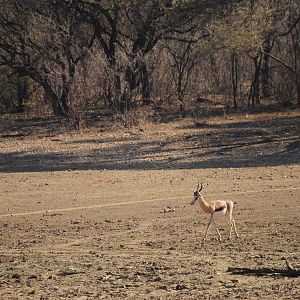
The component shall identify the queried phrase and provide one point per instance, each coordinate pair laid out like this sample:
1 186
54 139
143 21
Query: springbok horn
201 187
198 185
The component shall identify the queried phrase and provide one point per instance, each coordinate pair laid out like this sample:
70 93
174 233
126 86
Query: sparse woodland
68 57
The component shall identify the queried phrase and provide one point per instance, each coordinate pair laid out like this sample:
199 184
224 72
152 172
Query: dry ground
82 214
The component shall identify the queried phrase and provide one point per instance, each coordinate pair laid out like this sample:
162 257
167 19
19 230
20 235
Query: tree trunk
265 73
265 70
50 96
180 91
117 92
23 93
298 89
234 77
131 79
254 90
136 76
296 50
145 84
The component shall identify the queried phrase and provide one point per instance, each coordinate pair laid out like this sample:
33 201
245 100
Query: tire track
67 209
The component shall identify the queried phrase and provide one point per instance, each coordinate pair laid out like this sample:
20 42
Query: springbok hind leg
231 219
232 225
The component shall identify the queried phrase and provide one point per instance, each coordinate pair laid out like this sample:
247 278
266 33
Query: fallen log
290 271
69 272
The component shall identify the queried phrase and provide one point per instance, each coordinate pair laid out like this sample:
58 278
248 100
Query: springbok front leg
214 222
208 225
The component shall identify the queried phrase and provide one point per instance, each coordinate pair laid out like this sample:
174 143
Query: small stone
180 287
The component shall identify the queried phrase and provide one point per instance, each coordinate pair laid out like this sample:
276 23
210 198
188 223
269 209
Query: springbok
215 208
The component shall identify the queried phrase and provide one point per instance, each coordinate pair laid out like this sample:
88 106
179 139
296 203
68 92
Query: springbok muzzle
195 198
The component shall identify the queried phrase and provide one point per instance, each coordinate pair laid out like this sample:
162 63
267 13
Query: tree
279 24
44 40
184 58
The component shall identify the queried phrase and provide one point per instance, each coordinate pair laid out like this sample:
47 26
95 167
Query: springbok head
197 193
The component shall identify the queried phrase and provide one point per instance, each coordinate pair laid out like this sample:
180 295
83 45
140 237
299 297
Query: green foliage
238 38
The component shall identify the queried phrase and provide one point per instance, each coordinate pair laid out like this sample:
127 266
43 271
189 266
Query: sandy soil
106 214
